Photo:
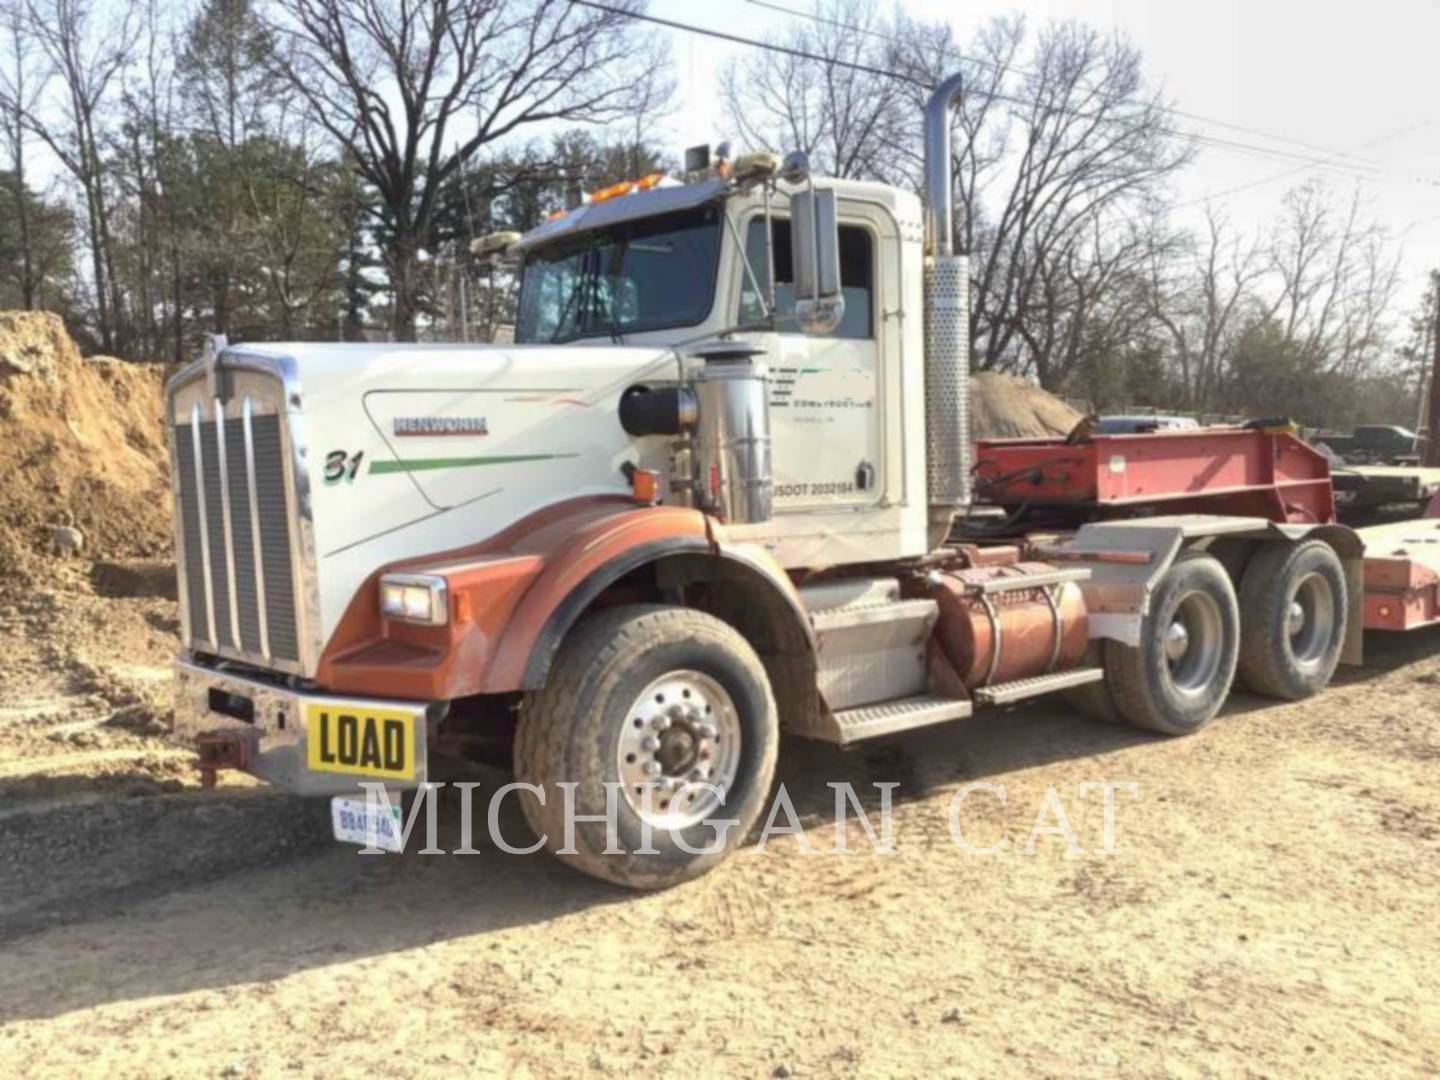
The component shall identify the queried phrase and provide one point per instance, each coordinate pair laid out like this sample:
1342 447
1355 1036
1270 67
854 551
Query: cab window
649 274
857 273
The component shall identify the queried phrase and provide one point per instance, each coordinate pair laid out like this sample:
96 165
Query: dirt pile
1004 407
81 445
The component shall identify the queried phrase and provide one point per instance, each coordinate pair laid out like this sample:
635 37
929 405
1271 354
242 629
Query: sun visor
639 204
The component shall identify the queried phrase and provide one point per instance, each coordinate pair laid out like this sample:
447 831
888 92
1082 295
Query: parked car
1139 425
1375 444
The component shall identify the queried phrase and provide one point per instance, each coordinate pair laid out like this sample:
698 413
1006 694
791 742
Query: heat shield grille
947 380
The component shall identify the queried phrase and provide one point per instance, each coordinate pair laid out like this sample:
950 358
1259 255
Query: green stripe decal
378 468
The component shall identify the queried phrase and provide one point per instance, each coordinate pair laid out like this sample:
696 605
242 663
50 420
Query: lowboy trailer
722 487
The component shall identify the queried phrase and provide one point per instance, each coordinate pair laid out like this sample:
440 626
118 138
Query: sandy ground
1269 910
1269 907
85 684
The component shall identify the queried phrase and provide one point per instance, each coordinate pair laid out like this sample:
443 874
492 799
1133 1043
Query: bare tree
1051 143
1336 279
20 85
653 99
1294 321
1201 290
927 53
87 56
1089 142
139 151
1045 151
1086 304
412 90
819 96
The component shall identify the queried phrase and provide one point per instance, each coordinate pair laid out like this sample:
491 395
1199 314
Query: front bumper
273 726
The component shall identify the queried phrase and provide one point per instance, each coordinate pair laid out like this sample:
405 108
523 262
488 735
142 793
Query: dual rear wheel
1294 609
1281 634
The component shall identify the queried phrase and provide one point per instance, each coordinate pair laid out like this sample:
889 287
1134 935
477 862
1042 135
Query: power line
1368 166
1331 163
1221 143
1298 169
754 43
805 54
1012 68
841 25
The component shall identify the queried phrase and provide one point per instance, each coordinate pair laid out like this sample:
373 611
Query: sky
1342 78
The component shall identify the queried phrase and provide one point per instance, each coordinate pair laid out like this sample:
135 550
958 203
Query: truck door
826 391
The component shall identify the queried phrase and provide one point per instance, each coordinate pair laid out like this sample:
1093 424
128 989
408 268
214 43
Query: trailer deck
1402 574
1241 472
1368 487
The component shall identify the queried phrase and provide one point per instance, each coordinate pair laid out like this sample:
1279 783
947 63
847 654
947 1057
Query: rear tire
1293 610
1093 700
649 697
1179 675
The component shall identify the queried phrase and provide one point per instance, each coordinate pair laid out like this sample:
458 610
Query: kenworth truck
721 487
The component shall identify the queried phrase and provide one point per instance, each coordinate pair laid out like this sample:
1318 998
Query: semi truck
721 487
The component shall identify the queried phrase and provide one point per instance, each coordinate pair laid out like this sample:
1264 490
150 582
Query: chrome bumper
275 728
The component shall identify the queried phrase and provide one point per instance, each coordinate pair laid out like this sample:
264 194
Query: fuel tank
993 628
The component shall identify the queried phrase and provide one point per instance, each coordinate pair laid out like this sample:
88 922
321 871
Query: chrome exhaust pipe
947 327
939 190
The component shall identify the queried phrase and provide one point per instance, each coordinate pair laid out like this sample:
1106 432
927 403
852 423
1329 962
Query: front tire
1180 674
1293 611
656 702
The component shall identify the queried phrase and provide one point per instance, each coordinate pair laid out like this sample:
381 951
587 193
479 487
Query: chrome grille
234 529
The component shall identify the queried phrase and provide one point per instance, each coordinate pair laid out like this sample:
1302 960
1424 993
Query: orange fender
514 597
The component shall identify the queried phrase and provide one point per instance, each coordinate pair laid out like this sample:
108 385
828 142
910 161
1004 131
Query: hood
413 450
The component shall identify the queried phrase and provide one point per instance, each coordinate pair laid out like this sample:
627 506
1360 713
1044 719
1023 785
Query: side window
857 279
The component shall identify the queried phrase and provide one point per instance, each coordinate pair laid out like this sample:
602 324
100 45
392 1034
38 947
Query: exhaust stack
947 326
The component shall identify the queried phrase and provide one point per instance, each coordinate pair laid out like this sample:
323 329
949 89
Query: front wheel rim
1194 643
679 750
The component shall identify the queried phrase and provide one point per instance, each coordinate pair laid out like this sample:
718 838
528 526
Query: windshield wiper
572 302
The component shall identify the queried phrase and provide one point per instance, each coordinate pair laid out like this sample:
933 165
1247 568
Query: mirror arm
815 241
767 306
769 297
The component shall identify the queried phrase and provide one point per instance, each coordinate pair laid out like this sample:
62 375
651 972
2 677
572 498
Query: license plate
358 821
360 741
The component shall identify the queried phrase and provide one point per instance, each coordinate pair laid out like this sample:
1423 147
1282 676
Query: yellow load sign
360 741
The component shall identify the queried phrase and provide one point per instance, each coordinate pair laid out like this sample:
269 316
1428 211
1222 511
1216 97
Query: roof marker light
625 187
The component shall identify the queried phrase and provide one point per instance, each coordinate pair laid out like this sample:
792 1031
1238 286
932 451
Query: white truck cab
690 264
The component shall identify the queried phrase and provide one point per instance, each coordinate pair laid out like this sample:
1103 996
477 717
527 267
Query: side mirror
815 255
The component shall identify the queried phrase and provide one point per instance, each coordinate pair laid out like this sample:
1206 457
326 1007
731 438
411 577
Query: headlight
418 598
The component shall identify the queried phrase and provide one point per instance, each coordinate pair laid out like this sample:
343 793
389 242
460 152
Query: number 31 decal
342 465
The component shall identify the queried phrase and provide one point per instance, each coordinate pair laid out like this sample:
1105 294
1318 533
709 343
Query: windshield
643 275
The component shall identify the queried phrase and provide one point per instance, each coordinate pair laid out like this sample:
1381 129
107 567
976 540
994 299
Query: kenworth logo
441 425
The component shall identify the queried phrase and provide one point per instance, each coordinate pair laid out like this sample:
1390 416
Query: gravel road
1269 908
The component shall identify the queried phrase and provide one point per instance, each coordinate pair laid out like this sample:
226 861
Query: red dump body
1253 473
